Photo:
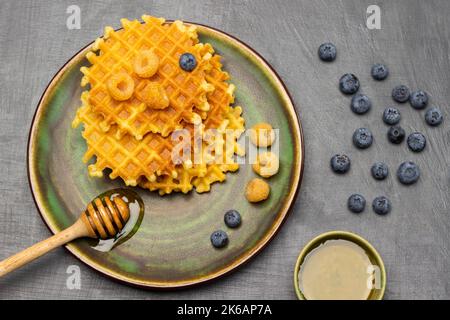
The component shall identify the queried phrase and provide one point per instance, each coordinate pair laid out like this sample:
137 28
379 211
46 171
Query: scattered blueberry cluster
232 219
408 172
381 205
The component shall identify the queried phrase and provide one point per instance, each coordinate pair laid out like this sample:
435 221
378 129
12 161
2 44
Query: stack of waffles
171 131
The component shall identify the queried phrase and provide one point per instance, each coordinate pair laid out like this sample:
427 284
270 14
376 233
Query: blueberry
408 172
416 141
391 116
362 138
232 218
187 62
433 117
396 134
400 93
381 205
418 99
219 239
379 71
340 163
360 103
356 203
379 170
327 52
348 83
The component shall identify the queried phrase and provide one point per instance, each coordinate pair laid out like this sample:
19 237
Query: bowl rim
344 235
284 211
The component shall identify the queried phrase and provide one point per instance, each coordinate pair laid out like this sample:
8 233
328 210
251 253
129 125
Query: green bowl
374 256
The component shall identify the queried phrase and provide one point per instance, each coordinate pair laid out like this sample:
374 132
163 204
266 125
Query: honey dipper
103 218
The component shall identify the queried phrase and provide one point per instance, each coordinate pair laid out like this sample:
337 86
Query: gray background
414 240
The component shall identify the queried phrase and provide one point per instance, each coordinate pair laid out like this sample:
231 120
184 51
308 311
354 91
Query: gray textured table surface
414 239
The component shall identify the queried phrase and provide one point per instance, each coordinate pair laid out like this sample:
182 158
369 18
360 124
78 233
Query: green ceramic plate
171 248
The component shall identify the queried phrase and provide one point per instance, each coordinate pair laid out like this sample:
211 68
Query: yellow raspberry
120 86
146 63
152 94
267 164
262 135
257 190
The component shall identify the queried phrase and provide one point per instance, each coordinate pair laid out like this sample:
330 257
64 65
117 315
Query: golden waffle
144 157
209 169
222 117
222 97
151 157
234 127
127 157
185 90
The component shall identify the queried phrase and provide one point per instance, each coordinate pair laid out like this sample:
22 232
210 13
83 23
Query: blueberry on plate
219 239
381 205
356 203
400 93
396 134
408 172
360 103
362 138
418 99
187 62
379 170
327 52
232 218
416 141
379 71
434 117
391 116
349 83
340 163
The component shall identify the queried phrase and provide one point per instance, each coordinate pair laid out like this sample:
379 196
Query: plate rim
262 243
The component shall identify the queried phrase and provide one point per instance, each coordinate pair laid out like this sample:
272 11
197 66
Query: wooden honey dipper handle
14 262
97 221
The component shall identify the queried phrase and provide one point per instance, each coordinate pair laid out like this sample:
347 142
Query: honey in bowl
336 270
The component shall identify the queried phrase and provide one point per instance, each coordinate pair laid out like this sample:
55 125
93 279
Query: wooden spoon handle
14 262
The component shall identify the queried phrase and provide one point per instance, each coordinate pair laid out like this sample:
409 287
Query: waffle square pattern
139 98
